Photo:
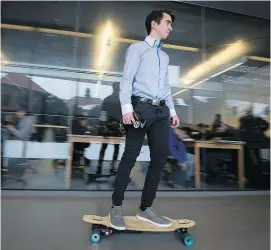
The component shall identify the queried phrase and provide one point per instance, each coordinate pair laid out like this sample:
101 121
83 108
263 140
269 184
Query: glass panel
55 75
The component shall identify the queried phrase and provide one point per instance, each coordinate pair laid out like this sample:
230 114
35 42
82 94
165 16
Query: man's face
164 28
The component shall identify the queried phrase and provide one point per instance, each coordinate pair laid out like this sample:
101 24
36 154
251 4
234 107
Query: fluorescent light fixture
258 58
186 81
105 45
237 62
227 69
191 86
221 58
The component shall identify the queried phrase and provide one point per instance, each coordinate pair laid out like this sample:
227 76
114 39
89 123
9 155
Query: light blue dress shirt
145 74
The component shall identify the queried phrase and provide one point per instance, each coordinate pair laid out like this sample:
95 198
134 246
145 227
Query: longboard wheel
95 236
188 240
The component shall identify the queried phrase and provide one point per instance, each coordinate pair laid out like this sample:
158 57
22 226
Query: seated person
80 127
203 131
182 160
220 132
25 127
23 131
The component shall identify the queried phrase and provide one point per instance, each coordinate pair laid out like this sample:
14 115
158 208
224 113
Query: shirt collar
153 43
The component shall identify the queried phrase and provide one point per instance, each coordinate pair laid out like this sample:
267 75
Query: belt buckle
155 102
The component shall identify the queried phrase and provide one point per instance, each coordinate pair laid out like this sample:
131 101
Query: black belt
147 100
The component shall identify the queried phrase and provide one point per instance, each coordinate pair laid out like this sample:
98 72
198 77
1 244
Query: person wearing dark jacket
252 130
110 116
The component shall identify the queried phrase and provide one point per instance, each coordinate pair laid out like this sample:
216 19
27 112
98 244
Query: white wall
53 150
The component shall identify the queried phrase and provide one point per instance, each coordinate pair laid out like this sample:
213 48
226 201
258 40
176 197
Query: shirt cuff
172 112
127 108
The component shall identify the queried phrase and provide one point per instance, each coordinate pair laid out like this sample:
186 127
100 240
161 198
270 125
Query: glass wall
58 66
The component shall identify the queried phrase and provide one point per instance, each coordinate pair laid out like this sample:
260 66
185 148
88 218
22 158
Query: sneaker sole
152 222
116 227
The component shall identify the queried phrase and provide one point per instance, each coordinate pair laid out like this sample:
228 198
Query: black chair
15 168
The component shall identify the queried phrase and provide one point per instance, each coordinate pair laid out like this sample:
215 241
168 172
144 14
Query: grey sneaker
116 218
150 215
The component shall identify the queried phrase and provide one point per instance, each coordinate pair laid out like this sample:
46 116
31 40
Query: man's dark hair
157 16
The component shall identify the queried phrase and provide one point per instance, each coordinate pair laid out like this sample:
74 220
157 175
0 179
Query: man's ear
153 24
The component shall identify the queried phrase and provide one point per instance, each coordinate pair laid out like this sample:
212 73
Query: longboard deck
134 224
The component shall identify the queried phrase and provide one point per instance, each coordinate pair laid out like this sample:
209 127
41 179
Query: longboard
101 226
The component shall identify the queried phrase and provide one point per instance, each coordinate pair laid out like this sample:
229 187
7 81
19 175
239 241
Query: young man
144 89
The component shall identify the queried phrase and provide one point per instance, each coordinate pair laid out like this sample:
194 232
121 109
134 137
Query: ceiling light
223 57
258 58
105 44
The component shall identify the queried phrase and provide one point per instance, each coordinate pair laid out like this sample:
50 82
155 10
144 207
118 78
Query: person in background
217 122
252 132
25 128
110 116
181 159
80 127
203 131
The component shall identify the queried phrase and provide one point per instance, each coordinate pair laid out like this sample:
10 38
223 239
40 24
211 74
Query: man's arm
24 132
132 60
169 99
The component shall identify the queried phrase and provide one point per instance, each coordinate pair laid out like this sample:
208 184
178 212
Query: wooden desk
86 139
188 142
221 145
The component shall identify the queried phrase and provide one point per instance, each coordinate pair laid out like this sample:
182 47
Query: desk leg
241 171
197 166
69 166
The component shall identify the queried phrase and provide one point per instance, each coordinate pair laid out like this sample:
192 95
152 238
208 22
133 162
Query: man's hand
175 121
184 167
128 118
10 127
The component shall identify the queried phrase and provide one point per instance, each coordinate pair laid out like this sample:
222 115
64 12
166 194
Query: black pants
157 129
76 155
102 153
